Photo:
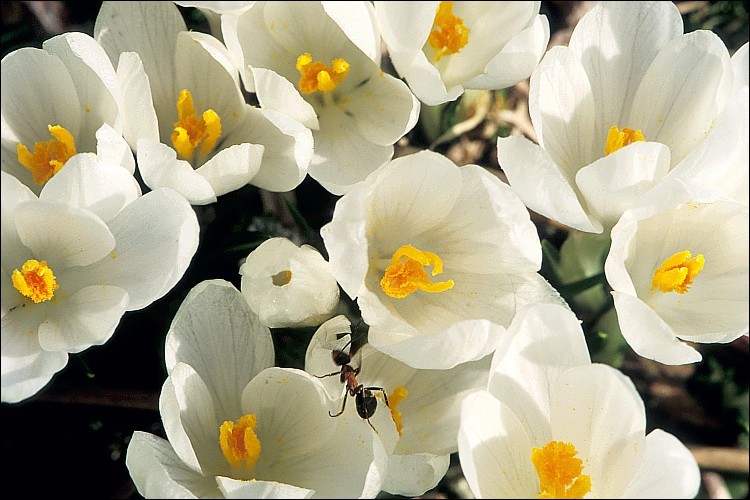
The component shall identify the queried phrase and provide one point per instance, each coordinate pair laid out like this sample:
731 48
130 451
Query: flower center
239 443
191 130
48 157
404 277
676 273
315 75
559 471
618 139
35 281
450 34
394 399
282 278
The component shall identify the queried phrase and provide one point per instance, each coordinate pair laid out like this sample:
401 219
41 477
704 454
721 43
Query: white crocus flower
63 99
679 270
76 258
553 425
424 404
287 285
421 213
240 428
209 141
301 61
630 99
442 48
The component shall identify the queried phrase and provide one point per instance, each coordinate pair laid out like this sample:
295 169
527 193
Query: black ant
363 396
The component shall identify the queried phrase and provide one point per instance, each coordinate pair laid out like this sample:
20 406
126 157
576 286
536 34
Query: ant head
340 357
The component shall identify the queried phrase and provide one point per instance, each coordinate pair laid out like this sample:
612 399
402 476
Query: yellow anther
402 278
618 139
282 278
559 471
191 130
48 157
239 443
450 34
394 399
35 281
315 75
676 273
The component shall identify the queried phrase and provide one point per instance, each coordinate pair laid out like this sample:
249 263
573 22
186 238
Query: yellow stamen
315 75
450 34
559 471
402 278
394 399
35 281
191 130
239 443
282 278
676 273
48 157
618 139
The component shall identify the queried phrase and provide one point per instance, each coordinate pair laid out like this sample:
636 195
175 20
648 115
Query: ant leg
373 427
346 394
385 396
328 374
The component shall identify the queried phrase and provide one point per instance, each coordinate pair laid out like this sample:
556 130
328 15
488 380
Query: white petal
613 183
494 450
159 166
138 106
682 92
318 357
288 148
517 59
542 185
157 236
95 80
236 488
413 475
562 109
62 235
112 148
277 93
217 334
357 20
668 469
599 411
384 109
90 184
190 421
159 473
232 167
152 34
542 342
616 43
740 62
13 251
648 334
87 318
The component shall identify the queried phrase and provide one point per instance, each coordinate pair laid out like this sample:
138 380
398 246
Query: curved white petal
740 62
413 475
112 148
232 167
542 185
599 411
190 421
494 450
216 333
357 20
542 342
159 166
88 317
159 473
157 236
236 488
668 469
277 93
140 120
13 251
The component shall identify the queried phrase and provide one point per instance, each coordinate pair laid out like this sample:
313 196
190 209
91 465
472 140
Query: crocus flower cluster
457 343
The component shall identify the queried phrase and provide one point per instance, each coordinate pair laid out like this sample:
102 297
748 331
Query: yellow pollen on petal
191 131
404 277
282 278
677 273
35 280
450 34
560 471
239 443
394 399
316 76
48 157
618 139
